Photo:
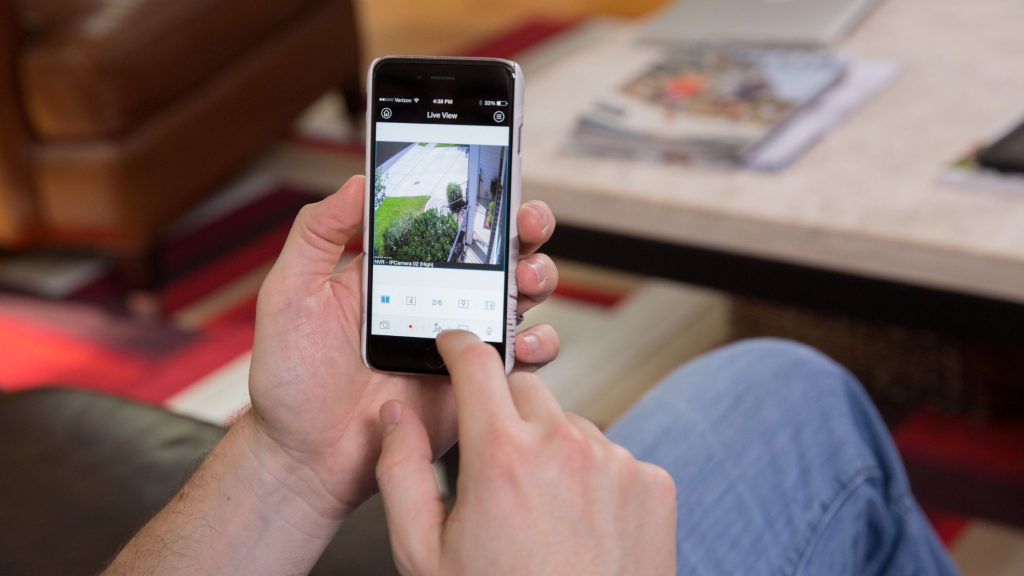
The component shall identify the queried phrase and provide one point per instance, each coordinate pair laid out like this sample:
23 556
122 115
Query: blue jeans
782 466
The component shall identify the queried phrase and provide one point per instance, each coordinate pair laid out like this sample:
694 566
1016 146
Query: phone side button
519 144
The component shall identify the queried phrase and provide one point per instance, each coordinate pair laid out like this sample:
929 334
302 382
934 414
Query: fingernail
532 344
542 216
390 414
539 270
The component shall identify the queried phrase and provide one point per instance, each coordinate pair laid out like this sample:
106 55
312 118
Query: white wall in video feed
439 230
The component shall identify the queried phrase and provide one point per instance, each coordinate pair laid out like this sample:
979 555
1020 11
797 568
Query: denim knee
768 440
772 369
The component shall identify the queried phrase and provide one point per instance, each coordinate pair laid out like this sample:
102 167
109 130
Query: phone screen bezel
424 76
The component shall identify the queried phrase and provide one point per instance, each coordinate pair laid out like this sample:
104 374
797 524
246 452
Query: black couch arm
82 472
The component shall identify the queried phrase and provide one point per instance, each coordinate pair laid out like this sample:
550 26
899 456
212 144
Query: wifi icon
415 99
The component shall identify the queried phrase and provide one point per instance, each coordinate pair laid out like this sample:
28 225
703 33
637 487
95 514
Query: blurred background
844 173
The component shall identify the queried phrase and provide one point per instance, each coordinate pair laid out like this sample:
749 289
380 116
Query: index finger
478 382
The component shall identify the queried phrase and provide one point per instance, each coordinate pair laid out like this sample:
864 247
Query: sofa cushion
99 73
81 472
36 16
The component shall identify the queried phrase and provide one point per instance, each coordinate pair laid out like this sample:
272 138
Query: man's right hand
540 491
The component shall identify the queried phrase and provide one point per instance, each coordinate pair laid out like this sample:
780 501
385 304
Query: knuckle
314 224
505 444
620 454
575 451
305 216
569 435
582 423
524 383
659 481
305 223
390 466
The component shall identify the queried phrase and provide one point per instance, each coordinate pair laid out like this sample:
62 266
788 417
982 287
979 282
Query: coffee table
858 224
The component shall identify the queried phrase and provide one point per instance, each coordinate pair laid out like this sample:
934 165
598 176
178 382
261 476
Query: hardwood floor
449 26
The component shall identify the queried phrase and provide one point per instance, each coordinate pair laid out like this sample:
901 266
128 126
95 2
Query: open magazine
706 103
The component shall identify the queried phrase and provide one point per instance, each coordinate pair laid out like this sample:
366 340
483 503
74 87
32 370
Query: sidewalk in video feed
439 205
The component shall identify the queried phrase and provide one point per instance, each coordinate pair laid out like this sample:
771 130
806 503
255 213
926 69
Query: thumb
322 229
412 500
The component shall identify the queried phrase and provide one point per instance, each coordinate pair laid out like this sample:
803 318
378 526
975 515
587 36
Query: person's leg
782 466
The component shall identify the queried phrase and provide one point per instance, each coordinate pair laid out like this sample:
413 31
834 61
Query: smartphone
442 194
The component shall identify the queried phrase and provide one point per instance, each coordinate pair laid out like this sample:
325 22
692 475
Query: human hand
313 401
539 491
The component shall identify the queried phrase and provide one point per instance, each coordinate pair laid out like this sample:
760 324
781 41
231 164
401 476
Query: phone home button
431 358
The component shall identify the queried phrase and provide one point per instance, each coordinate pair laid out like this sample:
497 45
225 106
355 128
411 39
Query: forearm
247 510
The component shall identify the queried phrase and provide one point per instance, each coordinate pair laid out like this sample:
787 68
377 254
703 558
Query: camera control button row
430 327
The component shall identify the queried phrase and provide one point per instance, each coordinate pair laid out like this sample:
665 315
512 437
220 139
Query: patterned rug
62 322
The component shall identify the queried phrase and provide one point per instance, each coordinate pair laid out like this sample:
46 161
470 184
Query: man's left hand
314 401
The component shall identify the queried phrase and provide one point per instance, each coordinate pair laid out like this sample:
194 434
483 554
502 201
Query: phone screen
441 135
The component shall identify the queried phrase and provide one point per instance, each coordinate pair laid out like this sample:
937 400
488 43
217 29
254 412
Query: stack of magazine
715 104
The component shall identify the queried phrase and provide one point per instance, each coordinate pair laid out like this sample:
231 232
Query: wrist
245 511
285 485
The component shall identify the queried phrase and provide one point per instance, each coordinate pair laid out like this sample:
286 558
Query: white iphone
443 191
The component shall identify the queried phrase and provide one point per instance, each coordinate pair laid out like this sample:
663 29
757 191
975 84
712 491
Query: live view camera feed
440 205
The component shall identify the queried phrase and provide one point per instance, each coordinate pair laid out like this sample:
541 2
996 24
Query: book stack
732 83
714 104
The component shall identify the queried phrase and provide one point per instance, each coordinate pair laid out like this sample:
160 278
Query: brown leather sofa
82 472
116 116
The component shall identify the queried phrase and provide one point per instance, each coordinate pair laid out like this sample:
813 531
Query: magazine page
709 101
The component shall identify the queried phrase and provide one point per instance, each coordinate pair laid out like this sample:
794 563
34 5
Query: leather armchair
82 472
116 117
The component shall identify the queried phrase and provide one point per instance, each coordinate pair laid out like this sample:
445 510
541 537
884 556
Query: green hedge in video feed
392 209
426 237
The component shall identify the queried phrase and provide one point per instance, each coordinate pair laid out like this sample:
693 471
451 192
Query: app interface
440 218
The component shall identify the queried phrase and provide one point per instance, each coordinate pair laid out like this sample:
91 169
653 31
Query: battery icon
501 103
